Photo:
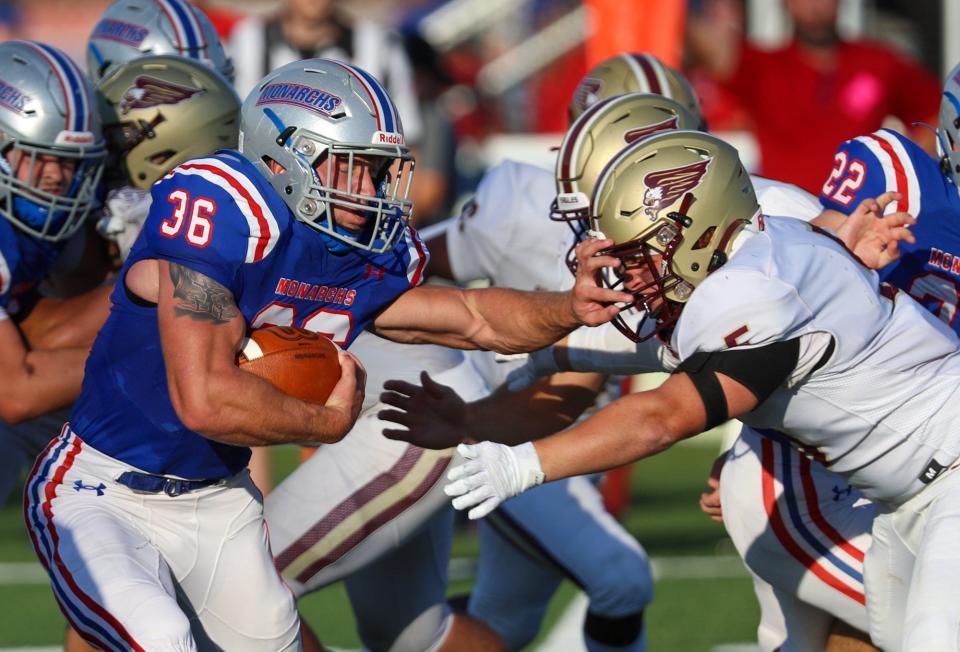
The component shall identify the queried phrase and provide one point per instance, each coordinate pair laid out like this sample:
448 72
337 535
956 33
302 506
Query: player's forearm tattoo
200 297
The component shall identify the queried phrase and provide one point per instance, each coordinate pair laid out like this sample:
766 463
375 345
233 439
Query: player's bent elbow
196 412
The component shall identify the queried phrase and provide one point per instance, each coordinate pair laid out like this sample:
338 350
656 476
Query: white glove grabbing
491 474
538 365
124 212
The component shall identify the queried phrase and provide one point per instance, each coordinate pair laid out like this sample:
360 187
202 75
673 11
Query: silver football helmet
132 28
310 121
948 128
47 108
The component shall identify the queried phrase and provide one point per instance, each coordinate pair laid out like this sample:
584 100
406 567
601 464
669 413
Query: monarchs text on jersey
220 217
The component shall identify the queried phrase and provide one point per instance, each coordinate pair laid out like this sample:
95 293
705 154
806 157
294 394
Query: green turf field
703 597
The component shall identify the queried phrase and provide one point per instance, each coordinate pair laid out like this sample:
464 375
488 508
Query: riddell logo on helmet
74 138
12 98
664 187
387 138
312 99
121 32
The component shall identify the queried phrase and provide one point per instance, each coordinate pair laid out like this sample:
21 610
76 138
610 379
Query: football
300 363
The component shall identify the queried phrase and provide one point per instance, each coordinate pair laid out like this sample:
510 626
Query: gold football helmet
673 204
634 73
596 137
159 111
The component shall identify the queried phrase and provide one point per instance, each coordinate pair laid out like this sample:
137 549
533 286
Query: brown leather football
300 363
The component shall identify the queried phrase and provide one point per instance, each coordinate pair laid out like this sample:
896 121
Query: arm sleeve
604 349
761 370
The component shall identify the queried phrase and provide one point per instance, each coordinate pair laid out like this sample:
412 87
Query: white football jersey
385 360
781 198
505 233
882 410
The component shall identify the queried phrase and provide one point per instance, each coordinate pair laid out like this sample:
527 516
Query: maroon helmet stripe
566 151
651 74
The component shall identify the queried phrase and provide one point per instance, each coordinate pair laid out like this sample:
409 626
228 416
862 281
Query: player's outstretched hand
346 398
591 303
433 415
873 236
491 474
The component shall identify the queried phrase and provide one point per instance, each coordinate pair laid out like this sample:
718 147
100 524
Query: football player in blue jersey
52 158
143 498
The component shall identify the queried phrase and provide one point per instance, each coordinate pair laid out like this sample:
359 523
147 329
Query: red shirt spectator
801 111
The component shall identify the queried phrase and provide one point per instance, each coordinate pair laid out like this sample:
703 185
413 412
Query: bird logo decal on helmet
150 91
664 187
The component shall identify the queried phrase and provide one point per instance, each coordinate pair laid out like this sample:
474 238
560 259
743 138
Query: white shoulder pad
786 199
741 304
511 202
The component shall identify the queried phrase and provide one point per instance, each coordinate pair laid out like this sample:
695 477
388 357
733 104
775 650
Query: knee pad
426 633
615 632
623 588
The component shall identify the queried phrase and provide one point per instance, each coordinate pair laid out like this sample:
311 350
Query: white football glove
491 474
124 212
538 365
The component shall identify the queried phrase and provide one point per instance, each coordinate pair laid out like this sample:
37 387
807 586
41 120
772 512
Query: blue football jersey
867 166
24 262
219 216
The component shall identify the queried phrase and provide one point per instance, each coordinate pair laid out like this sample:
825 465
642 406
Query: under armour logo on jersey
841 494
149 91
79 486
375 271
664 187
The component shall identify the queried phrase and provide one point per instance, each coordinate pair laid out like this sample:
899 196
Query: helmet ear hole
704 238
274 166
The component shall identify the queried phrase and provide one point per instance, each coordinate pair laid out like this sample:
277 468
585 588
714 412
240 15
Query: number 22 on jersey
850 176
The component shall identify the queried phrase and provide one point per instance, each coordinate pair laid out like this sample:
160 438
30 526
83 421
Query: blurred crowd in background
486 79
